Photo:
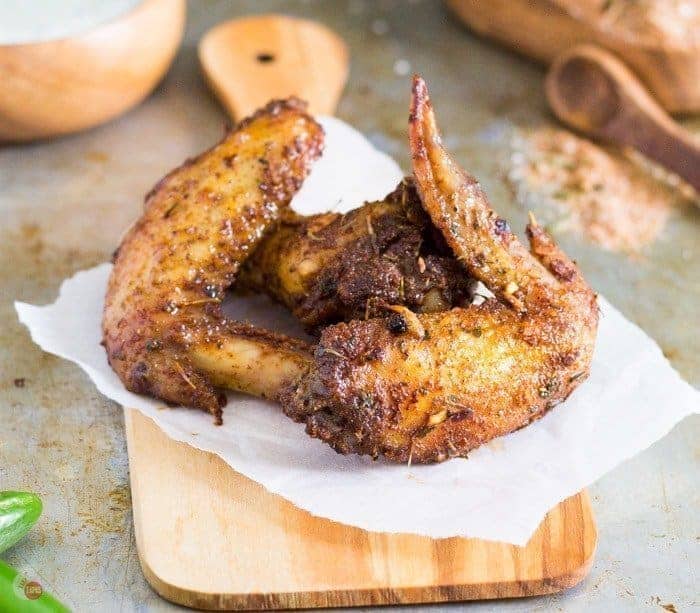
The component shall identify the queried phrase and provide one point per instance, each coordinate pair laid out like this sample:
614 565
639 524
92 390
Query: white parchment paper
501 492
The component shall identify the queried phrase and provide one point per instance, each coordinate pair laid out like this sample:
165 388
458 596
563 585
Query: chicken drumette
331 267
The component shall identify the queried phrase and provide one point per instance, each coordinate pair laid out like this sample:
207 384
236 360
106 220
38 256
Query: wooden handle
595 93
250 61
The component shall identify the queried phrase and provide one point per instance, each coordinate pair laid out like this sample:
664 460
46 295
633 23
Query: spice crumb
402 67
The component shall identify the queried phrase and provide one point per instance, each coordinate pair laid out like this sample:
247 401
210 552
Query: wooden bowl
542 29
62 86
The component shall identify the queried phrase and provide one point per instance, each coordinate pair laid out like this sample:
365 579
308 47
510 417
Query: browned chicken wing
174 265
331 267
454 380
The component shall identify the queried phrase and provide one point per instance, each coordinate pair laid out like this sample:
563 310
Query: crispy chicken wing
162 316
454 380
331 267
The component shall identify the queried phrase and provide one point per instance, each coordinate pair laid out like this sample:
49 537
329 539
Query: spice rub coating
162 317
330 267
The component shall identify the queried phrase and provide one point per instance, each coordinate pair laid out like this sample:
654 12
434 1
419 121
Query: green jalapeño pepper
18 595
18 513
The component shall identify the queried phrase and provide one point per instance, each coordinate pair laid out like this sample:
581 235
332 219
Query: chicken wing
175 264
331 267
447 382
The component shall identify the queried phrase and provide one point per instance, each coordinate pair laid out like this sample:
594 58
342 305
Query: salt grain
618 200
402 67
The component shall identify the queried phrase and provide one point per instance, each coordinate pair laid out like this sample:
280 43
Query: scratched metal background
64 204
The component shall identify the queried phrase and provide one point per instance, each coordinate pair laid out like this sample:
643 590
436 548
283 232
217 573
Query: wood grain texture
542 29
249 61
64 86
212 539
591 90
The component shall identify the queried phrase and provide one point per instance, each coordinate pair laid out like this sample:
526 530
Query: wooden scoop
250 61
595 93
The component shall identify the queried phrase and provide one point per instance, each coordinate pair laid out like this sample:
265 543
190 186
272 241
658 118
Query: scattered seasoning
19 382
366 402
211 290
346 220
170 210
397 324
437 418
152 344
372 235
170 307
189 303
547 389
501 226
183 374
324 350
617 200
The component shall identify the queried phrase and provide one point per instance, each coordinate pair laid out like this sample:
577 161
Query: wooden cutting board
211 538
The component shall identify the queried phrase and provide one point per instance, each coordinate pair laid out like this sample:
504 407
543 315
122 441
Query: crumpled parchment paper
501 492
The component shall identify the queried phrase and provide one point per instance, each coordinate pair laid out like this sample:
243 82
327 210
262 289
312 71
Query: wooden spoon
250 61
595 93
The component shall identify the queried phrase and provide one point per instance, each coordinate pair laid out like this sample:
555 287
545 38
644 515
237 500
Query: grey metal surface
64 205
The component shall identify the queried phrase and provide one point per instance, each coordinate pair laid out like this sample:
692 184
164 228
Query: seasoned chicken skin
162 311
445 383
331 267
